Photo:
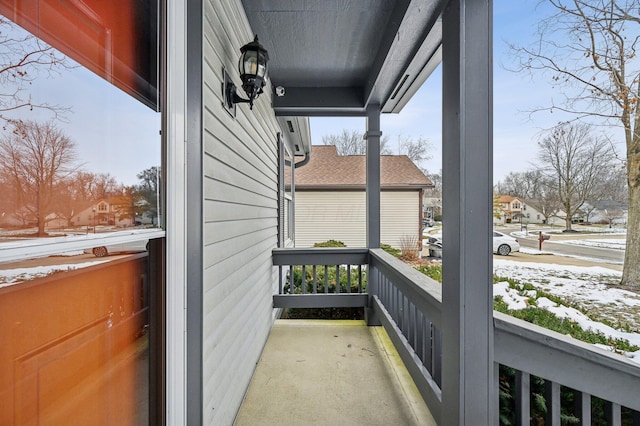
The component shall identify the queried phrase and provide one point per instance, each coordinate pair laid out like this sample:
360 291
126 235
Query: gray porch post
373 176
467 366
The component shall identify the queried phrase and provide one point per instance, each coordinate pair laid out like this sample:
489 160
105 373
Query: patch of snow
592 288
619 244
509 296
18 275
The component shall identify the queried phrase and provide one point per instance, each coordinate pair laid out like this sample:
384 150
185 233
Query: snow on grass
619 244
593 289
18 275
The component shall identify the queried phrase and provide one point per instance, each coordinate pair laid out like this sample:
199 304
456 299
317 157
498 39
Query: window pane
81 184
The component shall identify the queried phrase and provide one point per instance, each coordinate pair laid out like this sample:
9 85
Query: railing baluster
326 278
419 343
348 278
552 397
437 355
523 398
582 407
427 345
337 278
292 283
315 280
613 413
304 279
359 278
280 279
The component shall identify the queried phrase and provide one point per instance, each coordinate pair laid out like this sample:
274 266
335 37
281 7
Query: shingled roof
328 170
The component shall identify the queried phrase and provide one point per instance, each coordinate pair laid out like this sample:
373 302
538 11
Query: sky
128 139
515 131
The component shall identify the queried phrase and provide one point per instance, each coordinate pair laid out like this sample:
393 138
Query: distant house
606 212
511 209
330 199
115 211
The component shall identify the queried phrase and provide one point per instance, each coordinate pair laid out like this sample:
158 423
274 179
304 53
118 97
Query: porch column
468 391
373 176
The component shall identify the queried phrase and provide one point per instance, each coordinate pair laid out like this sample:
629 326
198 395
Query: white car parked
130 247
502 244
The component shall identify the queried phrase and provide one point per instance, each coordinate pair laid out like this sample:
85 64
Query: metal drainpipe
307 158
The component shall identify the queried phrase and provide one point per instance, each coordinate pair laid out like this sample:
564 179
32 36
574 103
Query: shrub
391 250
330 243
409 247
328 278
432 271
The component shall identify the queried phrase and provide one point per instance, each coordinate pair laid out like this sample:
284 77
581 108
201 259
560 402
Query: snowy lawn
592 289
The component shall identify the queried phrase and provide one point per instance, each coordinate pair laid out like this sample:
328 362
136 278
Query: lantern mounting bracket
230 94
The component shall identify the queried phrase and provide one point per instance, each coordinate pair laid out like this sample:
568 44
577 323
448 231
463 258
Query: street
599 254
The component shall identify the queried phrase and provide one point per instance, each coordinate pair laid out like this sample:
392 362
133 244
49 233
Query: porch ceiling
335 57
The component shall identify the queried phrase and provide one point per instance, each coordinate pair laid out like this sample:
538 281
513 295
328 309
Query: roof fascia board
417 40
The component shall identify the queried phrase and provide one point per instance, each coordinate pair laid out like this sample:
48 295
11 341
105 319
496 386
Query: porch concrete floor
331 373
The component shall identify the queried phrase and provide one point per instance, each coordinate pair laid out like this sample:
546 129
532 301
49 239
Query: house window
538 216
76 328
516 205
286 185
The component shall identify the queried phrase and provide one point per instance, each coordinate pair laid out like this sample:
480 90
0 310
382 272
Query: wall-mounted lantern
253 73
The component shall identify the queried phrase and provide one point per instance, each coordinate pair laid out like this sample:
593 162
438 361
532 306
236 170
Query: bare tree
574 161
148 193
417 150
353 143
534 187
36 158
590 47
74 192
23 58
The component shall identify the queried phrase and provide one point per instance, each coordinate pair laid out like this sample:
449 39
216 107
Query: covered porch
391 365
331 372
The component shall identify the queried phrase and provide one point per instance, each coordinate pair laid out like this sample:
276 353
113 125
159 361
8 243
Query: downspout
307 158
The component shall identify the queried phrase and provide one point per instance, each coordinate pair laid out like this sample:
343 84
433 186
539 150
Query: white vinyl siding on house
240 219
330 215
399 216
341 215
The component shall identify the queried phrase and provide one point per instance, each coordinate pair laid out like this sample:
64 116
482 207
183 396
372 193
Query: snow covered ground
620 244
591 288
16 276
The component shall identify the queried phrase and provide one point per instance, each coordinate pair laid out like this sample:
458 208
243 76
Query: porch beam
373 176
467 372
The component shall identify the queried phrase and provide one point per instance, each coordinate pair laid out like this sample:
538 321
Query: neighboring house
330 199
509 209
606 212
114 211
431 203
513 209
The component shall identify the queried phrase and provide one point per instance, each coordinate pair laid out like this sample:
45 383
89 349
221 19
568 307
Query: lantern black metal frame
253 55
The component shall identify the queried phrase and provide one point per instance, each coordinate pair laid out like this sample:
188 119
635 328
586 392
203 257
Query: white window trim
42 247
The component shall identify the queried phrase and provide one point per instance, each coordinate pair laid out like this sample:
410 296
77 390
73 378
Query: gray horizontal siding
240 220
